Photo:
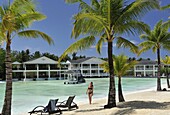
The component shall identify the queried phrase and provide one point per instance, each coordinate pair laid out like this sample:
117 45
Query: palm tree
121 68
107 20
15 18
156 39
166 69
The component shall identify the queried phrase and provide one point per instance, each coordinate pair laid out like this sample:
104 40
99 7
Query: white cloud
134 42
93 46
104 46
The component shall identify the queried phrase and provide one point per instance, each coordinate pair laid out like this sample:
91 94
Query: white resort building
45 68
146 68
89 67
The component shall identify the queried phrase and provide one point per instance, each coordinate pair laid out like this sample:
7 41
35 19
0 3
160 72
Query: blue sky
58 25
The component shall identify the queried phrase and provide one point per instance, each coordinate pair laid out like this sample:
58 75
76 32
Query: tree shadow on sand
90 110
129 107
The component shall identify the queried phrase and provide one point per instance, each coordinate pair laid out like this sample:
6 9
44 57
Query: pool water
28 94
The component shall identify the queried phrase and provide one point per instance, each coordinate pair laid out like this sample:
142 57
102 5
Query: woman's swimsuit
90 90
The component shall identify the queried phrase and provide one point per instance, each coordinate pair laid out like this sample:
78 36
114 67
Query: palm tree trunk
167 79
121 98
159 68
112 91
6 110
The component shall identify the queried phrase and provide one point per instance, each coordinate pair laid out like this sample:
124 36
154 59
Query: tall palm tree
107 20
15 18
156 39
121 68
166 69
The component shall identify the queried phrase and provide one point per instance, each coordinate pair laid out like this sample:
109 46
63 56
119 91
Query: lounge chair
68 103
50 108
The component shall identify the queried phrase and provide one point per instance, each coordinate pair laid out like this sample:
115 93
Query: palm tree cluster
121 67
107 20
156 39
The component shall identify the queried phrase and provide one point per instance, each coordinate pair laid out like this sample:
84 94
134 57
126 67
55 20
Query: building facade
89 67
45 68
146 68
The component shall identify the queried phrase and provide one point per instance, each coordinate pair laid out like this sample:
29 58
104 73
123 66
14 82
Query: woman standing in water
90 92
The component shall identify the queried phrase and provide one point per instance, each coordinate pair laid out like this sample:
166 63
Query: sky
59 23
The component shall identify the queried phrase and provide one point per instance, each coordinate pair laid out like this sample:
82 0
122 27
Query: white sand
140 103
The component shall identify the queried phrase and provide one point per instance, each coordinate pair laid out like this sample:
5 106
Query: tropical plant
166 68
107 20
15 18
156 39
121 67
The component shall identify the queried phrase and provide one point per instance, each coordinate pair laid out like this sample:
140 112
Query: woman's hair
91 83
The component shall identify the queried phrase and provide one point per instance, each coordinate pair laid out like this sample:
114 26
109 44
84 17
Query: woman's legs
90 98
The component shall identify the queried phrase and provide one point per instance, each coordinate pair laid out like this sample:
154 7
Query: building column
60 73
37 71
25 69
98 70
134 70
90 70
81 69
144 71
48 71
153 71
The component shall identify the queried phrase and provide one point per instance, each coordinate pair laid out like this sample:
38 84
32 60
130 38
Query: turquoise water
28 94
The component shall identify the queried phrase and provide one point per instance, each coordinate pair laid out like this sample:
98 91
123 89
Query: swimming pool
28 94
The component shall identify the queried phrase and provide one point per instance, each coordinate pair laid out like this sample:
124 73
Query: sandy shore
148 102
141 103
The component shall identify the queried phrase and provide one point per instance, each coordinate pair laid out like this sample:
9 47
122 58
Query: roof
88 60
16 63
41 60
80 60
145 62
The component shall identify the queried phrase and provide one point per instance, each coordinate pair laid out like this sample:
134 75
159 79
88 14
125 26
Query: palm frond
122 42
166 45
25 6
72 1
145 37
105 67
165 7
166 60
95 4
132 27
99 45
145 46
85 7
137 9
128 66
29 18
35 34
89 23
166 26
81 44
121 66
1 12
